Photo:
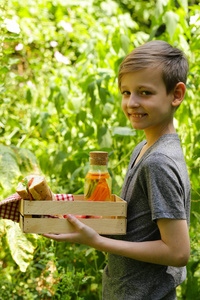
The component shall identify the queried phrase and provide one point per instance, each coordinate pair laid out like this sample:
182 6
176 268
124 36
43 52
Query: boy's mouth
136 115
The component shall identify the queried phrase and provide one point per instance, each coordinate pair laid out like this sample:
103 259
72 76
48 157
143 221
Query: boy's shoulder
166 148
166 141
166 153
167 144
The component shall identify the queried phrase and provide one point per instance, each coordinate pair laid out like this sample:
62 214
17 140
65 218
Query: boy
149 261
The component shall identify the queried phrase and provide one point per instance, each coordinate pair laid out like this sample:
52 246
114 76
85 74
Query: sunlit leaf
184 4
104 138
123 131
20 247
9 168
171 20
125 42
159 8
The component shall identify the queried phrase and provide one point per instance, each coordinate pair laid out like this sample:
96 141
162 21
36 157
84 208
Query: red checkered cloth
9 206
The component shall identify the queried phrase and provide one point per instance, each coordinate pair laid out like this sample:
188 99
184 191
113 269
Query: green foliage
57 271
59 100
21 247
15 163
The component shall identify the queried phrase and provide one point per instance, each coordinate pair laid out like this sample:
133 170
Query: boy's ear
178 93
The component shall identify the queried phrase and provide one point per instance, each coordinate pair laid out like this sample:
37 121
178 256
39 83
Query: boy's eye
125 93
145 93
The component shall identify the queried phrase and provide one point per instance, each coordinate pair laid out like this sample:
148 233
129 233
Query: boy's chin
137 126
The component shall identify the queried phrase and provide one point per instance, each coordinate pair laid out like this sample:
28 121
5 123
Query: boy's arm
173 249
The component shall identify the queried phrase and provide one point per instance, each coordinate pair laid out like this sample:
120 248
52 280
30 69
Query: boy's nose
133 101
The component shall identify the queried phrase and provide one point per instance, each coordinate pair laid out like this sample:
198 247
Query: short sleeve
164 187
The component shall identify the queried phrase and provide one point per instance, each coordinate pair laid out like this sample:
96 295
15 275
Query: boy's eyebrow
124 87
140 87
145 87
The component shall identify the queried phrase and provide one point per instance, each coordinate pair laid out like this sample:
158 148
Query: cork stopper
98 158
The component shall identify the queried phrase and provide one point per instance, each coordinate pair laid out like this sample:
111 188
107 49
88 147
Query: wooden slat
21 222
118 199
90 208
79 197
21 206
102 226
113 198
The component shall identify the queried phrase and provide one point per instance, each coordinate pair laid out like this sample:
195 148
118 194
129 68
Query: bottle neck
98 168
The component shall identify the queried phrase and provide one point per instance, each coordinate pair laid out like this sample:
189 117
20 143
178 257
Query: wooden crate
112 221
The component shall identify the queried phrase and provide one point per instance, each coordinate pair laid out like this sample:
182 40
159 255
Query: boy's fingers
75 222
73 236
53 236
68 237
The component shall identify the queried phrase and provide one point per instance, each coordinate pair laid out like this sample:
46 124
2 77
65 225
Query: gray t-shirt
156 187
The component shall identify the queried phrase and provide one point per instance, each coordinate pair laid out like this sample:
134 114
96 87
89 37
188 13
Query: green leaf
77 101
123 131
82 115
64 91
68 167
103 94
197 215
184 4
115 42
50 97
20 247
117 64
76 172
44 116
34 117
171 20
104 137
89 131
2 88
91 92
28 96
125 43
59 102
153 32
26 160
9 169
59 158
108 110
159 7
4 70
13 61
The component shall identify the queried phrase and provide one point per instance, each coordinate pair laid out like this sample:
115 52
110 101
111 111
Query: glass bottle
98 182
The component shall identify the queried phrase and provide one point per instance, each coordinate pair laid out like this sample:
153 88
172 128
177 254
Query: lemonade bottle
98 182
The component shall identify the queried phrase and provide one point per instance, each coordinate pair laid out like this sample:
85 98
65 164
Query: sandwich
35 187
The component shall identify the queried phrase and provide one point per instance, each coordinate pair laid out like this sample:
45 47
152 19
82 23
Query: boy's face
145 101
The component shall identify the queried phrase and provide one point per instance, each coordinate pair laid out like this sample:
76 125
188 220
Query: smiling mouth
137 116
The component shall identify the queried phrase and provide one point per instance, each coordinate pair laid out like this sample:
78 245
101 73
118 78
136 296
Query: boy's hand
83 234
